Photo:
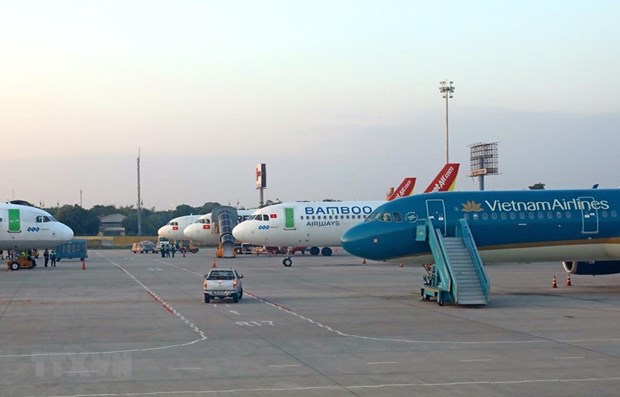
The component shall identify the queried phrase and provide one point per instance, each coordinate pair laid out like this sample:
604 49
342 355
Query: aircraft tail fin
445 180
403 190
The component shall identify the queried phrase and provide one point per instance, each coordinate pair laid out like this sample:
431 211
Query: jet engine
592 268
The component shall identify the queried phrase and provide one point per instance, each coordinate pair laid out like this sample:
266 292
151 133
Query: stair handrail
442 263
468 239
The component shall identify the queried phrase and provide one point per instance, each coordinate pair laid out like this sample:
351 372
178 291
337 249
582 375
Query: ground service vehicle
144 246
223 283
74 249
244 248
21 261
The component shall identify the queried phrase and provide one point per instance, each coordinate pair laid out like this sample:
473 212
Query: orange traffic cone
568 282
213 264
83 264
555 284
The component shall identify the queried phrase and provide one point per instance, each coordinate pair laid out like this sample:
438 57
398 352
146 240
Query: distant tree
103 210
537 186
83 222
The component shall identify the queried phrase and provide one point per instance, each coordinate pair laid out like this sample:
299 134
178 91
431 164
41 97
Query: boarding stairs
227 220
458 274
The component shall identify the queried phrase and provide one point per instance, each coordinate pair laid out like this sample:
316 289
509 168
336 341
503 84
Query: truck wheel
240 294
14 266
207 298
235 298
287 262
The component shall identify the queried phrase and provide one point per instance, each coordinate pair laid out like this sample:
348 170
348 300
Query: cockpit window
44 219
374 216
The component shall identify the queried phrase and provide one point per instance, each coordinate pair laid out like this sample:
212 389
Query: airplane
316 224
204 231
173 230
580 228
26 227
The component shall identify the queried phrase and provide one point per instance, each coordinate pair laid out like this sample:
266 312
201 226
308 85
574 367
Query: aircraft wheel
207 298
314 251
287 262
326 251
14 266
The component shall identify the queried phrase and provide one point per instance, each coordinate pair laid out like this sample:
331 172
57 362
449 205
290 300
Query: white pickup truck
223 283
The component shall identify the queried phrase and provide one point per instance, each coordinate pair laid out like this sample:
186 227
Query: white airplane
204 231
27 227
173 230
317 224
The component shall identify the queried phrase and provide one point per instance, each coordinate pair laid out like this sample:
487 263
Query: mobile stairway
458 274
226 220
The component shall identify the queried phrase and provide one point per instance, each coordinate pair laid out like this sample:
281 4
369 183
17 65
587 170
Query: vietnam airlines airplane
580 228
204 230
27 227
173 230
316 224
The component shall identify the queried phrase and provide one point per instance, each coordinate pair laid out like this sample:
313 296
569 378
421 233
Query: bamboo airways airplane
580 228
27 227
318 223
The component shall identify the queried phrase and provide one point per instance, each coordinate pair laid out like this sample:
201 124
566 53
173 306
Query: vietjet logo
471 206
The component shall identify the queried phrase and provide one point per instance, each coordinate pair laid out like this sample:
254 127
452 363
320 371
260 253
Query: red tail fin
444 181
403 190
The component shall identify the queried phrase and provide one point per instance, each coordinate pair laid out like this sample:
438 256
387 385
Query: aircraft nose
66 233
191 232
241 231
357 241
162 232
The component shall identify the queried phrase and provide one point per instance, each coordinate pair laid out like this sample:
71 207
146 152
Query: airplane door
436 210
589 216
14 221
289 219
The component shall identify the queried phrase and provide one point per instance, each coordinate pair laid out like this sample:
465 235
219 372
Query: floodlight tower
446 89
139 199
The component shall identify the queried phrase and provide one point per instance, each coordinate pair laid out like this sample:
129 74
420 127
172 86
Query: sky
340 98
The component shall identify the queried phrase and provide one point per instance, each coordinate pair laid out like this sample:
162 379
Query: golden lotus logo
471 206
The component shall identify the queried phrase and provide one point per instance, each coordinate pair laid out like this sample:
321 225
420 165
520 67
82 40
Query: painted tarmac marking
381 362
284 365
477 360
346 387
568 358
186 369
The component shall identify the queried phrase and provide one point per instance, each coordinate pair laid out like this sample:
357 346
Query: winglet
445 180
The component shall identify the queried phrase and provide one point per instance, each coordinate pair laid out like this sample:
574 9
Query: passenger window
397 217
503 216
485 216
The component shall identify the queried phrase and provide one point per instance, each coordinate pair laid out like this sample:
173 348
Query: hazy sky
339 98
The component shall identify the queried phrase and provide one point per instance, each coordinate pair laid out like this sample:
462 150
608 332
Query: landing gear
326 251
314 251
287 262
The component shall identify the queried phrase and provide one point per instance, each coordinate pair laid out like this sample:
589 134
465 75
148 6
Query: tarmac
136 325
